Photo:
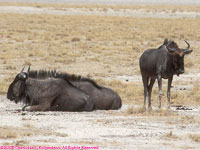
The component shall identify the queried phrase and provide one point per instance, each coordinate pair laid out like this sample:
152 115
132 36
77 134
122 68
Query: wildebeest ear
188 52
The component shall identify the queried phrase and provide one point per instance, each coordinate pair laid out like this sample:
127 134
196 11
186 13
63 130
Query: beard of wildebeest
49 95
163 62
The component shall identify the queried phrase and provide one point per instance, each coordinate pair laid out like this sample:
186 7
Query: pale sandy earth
117 2
99 12
107 129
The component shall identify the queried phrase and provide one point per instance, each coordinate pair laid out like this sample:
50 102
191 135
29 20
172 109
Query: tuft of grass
150 113
170 135
132 110
21 143
75 39
195 137
7 132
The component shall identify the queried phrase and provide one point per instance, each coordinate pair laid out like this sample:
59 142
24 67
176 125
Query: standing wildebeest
51 94
159 63
104 98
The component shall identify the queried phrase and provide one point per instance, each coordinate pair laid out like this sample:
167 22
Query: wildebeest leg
160 89
42 107
168 90
149 92
145 80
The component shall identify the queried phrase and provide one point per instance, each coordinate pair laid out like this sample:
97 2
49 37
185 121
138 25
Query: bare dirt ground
174 129
101 12
102 43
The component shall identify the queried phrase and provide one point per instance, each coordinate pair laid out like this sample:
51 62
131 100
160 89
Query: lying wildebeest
163 62
104 98
51 94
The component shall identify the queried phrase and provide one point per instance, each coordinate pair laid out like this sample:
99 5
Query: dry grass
131 93
98 47
151 113
7 132
195 137
171 136
131 110
154 8
17 143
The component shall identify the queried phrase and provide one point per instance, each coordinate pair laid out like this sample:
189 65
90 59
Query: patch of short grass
171 136
195 137
78 44
10 132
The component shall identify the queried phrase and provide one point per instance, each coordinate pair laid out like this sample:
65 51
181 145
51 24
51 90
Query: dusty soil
101 12
174 129
127 128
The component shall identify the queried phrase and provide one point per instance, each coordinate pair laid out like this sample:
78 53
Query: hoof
149 108
25 108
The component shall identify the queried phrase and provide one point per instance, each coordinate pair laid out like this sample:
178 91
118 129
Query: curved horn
169 42
22 69
28 69
185 49
171 49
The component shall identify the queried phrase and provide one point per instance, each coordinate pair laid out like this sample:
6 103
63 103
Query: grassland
103 48
100 47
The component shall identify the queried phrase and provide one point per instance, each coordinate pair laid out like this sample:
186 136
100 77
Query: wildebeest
104 98
163 62
50 94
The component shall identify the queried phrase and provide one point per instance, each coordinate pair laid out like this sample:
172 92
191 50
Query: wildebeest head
17 88
178 55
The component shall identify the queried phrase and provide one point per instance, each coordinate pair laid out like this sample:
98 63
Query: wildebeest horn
28 69
22 69
186 49
171 49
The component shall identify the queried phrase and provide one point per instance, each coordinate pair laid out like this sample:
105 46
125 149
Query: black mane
42 74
